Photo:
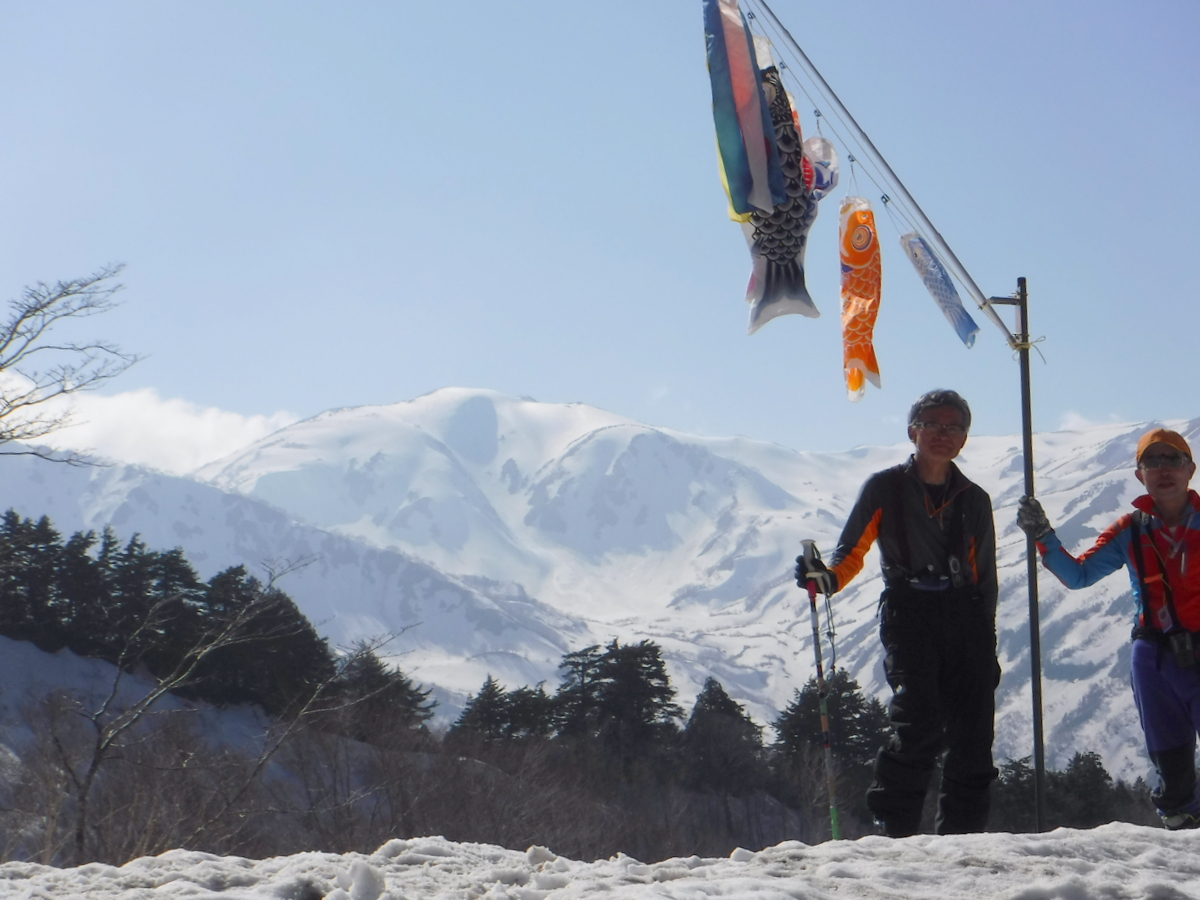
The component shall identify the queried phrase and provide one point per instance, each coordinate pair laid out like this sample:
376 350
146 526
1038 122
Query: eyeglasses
938 428
1169 460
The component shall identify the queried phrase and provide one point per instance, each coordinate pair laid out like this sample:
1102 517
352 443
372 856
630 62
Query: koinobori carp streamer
861 282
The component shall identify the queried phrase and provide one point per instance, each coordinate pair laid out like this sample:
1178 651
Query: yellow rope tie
1018 346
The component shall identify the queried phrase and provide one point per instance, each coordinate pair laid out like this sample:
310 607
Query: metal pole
1031 555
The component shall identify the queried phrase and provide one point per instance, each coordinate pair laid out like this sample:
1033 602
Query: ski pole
811 554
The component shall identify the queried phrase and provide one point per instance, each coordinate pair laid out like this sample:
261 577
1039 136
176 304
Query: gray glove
1032 518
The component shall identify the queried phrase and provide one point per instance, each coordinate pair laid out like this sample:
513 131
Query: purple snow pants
1168 704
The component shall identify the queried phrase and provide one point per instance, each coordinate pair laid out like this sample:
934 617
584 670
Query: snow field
1114 862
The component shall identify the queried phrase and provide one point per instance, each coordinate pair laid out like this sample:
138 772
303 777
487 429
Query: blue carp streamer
937 282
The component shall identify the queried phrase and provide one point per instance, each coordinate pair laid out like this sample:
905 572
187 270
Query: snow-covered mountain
496 534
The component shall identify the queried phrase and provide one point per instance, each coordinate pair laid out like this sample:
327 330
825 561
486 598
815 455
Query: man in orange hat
1159 544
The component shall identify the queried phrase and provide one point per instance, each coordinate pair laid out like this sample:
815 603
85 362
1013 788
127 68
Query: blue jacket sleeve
1104 557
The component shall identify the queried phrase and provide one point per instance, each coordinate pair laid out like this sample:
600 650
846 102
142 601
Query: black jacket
921 545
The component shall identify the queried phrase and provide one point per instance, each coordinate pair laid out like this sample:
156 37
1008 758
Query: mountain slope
497 534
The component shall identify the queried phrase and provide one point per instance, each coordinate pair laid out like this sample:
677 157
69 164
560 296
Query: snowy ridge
497 534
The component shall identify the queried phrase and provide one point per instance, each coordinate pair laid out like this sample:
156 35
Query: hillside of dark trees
606 761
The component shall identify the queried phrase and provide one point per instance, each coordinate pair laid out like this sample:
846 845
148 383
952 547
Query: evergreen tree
28 558
80 586
722 747
133 606
485 715
380 704
635 701
1082 795
149 608
858 725
530 713
621 697
1013 802
1133 803
89 589
577 700
271 655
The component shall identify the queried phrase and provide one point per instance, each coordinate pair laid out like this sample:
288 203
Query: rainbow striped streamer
746 149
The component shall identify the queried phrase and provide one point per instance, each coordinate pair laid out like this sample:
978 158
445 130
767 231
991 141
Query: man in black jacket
937 545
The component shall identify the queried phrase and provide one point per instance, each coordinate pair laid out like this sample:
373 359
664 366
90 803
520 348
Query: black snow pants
941 664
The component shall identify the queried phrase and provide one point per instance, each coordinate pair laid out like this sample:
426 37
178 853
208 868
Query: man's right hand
1032 518
817 572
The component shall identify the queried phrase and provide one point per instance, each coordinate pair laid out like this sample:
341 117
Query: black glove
817 572
1032 518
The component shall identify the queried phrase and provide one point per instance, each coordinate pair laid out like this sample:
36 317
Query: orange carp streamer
861 277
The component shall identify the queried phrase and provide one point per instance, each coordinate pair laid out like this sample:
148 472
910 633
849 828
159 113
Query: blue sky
325 205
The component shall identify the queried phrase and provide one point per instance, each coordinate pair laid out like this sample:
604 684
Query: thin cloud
1073 421
174 436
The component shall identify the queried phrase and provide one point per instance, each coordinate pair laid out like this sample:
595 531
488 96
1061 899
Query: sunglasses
1168 460
936 427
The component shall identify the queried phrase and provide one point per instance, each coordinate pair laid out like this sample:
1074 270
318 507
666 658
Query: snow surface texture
1113 862
494 535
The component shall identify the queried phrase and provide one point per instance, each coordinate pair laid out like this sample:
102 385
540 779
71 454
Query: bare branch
67 457
34 370
313 706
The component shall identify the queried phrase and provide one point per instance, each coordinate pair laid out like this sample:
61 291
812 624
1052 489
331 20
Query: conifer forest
338 750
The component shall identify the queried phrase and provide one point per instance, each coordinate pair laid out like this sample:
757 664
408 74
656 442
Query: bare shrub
160 781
